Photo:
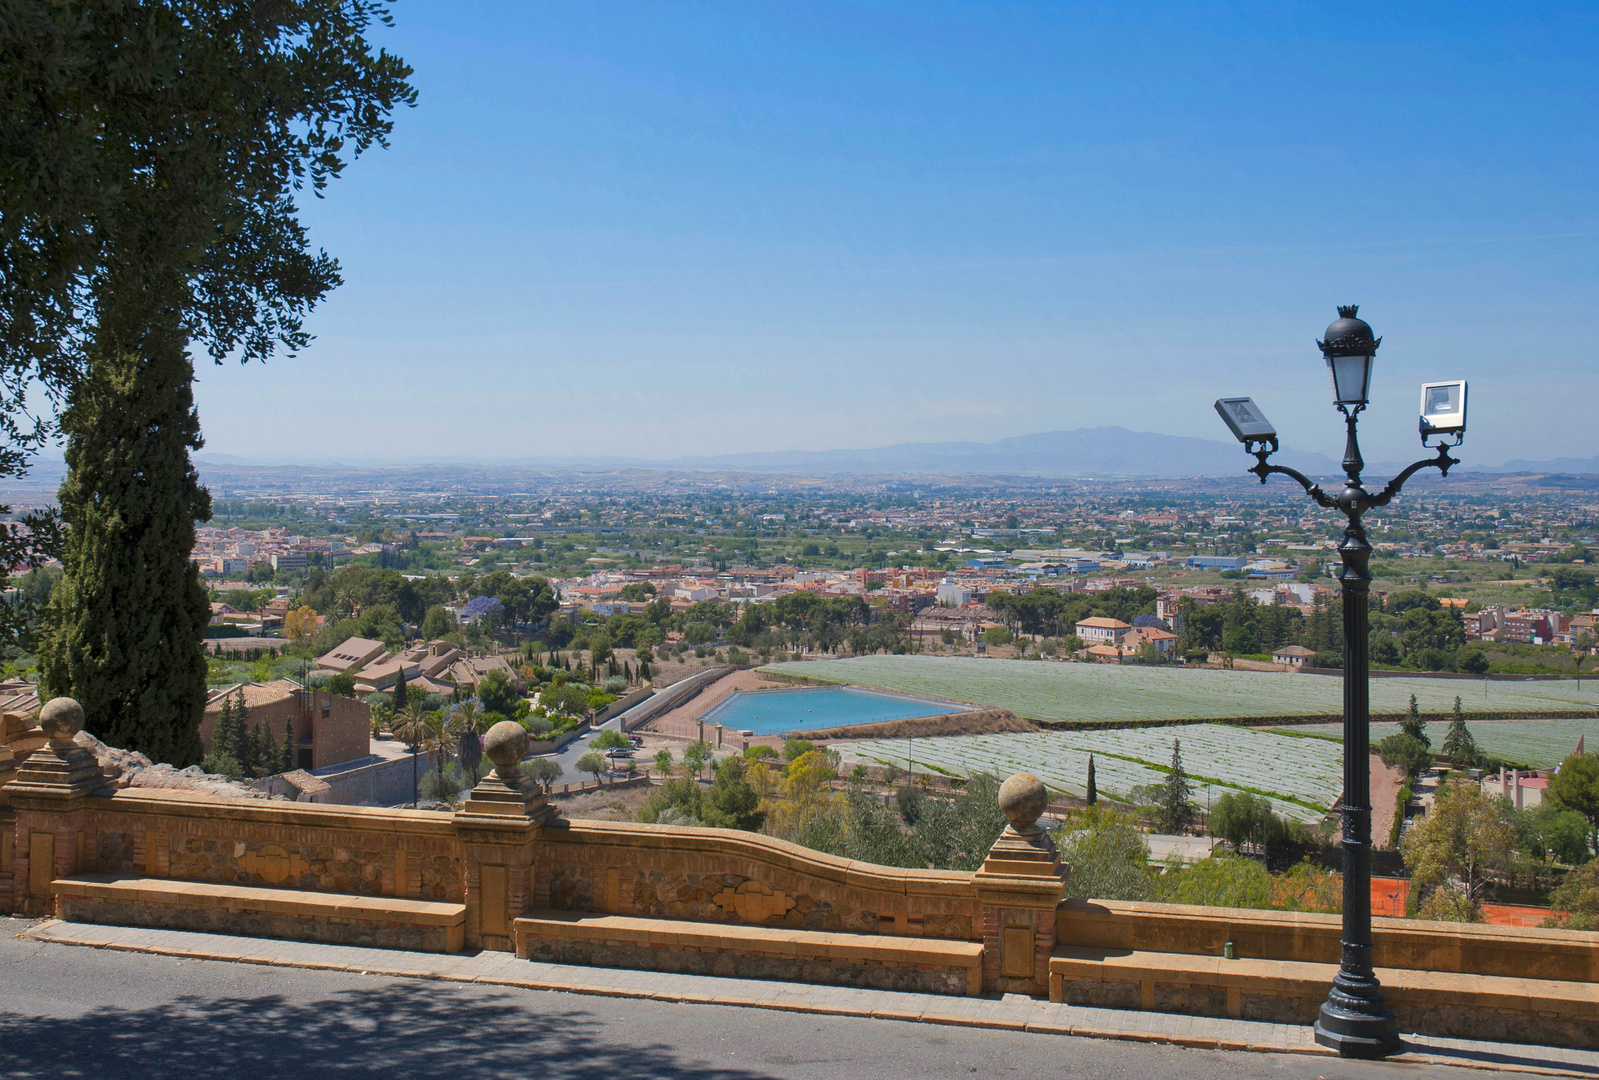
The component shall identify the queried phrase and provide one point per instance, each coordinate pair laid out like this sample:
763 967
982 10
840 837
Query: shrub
1404 752
1220 881
542 771
441 785
1239 818
610 740
223 765
1448 904
497 693
1401 802
1576 900
1109 860
616 684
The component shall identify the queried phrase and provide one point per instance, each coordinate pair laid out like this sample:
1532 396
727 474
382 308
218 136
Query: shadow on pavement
392 1032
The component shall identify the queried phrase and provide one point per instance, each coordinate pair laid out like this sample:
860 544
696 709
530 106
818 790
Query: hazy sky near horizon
692 228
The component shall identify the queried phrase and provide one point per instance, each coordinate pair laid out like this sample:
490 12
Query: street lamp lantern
1354 1020
1350 348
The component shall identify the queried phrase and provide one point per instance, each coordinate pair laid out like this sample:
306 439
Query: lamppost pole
1354 1020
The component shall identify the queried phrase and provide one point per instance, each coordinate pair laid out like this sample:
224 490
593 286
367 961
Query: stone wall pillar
47 799
1019 888
498 827
8 829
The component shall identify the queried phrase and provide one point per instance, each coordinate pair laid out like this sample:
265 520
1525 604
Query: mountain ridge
1102 452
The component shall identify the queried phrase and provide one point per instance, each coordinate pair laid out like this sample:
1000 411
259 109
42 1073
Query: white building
949 594
1102 631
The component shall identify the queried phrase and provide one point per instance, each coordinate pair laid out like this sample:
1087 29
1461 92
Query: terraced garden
1540 744
1301 776
1086 693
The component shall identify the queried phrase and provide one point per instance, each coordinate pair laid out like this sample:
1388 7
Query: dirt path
1385 785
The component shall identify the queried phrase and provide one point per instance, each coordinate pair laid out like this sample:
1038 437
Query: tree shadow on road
390 1032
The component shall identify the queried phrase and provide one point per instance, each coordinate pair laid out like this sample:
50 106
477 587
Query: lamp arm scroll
1443 462
1263 470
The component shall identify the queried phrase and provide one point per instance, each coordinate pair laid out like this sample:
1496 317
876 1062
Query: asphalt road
567 758
69 1012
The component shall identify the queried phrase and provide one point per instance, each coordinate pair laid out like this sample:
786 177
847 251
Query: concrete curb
981 1019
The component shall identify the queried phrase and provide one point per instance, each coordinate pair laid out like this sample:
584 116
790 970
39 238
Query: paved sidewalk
1012 1012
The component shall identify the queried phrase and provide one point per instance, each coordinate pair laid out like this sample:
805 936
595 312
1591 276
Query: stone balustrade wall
362 851
719 875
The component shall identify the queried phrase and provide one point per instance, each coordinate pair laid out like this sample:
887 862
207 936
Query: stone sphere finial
1022 799
61 718
506 746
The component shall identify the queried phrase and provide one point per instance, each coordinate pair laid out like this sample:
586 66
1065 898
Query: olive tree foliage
1109 858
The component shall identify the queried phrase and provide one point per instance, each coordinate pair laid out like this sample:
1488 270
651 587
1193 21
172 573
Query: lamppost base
1356 1035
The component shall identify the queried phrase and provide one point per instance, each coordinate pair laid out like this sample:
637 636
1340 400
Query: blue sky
680 228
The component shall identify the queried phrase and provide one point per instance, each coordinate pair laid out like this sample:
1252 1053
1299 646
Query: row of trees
798 618
242 750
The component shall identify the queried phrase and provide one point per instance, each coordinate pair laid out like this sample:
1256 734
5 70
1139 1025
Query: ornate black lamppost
1354 1020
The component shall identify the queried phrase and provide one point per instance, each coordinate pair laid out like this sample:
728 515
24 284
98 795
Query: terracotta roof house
352 656
1099 630
433 660
1293 656
381 676
1163 640
467 671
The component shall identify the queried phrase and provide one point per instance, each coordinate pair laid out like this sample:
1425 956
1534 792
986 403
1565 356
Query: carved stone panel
273 865
754 901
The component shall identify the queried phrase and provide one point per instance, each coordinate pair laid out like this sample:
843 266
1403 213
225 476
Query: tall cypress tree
1175 811
266 749
148 178
1413 725
249 748
224 740
129 614
1093 789
1459 745
401 693
286 756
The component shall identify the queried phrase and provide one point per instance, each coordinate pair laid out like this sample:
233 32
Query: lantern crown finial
1348 311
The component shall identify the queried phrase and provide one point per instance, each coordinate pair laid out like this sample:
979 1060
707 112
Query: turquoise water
773 712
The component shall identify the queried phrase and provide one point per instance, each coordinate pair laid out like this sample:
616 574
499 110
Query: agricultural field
1538 744
1085 693
1301 777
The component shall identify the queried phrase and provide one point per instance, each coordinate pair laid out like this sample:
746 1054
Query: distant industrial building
1216 562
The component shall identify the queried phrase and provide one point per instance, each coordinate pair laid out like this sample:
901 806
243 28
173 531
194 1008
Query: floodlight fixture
1443 410
1349 348
1248 423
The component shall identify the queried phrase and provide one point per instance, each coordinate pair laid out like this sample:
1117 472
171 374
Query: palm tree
347 600
466 724
411 727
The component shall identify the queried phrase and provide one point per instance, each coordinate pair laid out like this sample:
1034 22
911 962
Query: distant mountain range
1085 452
1104 452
